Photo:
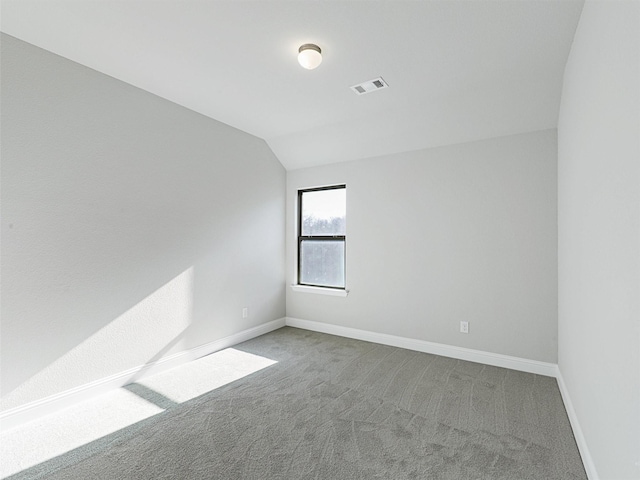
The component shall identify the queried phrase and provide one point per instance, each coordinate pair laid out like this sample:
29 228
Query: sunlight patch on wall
205 374
144 333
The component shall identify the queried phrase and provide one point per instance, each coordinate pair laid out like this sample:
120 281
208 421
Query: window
321 236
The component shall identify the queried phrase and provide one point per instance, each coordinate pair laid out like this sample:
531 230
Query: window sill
320 290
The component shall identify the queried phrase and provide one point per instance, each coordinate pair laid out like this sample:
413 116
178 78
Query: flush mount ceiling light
309 56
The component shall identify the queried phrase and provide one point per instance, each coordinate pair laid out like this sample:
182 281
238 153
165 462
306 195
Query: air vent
370 86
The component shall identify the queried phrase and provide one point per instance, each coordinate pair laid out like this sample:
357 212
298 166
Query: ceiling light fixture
309 56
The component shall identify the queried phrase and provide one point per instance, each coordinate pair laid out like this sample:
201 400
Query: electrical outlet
245 312
464 327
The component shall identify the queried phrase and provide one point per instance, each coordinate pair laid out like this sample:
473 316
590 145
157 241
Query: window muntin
322 236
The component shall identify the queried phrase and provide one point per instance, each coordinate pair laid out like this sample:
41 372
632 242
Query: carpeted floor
336 408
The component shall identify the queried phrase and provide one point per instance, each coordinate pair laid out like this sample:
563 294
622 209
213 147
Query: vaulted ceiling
457 70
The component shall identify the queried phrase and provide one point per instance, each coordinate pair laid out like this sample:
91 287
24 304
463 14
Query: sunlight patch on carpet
205 374
73 427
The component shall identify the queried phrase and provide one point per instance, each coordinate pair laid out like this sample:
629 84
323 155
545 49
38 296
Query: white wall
132 227
599 234
466 232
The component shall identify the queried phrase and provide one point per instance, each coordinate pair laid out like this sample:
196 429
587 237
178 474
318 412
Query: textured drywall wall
466 232
599 234
132 228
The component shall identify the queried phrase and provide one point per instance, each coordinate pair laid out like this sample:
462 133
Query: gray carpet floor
337 408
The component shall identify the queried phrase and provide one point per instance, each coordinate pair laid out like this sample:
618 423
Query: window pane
322 263
324 211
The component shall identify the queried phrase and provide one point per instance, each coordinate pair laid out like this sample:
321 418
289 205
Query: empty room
377 239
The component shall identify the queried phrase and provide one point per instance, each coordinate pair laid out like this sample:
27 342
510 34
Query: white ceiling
457 70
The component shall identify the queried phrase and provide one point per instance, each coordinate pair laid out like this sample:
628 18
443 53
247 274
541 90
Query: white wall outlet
464 327
245 312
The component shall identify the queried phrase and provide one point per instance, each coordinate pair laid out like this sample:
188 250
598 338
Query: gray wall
132 227
466 232
599 234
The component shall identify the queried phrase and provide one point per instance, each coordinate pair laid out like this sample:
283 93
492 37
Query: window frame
321 238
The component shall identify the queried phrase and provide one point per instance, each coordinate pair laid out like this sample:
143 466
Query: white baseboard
478 356
587 460
31 411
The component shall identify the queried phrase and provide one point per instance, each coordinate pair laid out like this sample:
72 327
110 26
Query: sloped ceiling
457 70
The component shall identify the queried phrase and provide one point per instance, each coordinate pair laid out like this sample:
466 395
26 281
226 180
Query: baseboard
587 460
32 411
478 356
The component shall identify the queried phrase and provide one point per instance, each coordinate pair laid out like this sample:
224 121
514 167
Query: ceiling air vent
370 86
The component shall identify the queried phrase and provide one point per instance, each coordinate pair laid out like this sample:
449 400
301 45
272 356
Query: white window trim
335 292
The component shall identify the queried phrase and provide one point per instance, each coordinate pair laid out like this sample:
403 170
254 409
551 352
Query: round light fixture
309 56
